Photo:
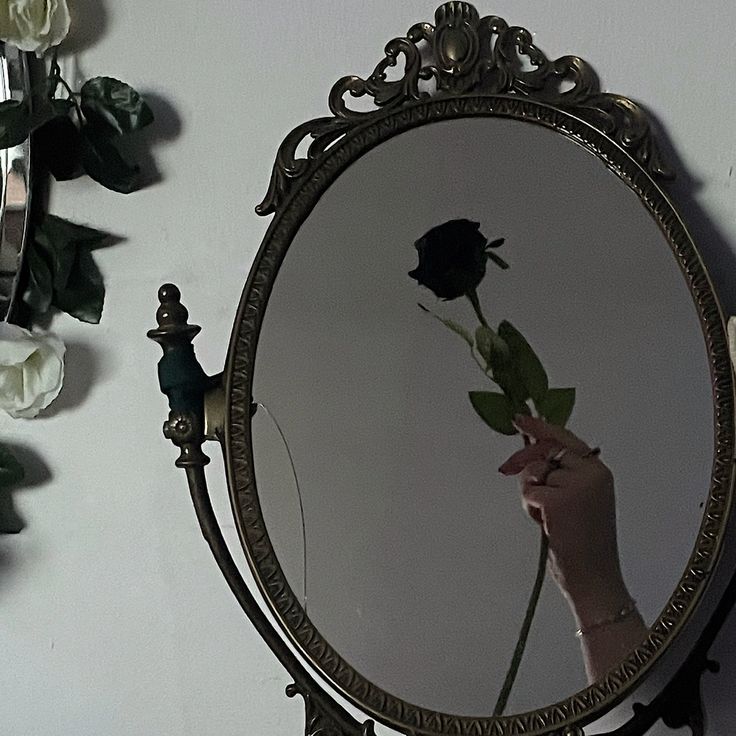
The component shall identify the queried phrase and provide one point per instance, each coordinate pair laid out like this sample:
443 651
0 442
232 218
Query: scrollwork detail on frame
318 722
463 54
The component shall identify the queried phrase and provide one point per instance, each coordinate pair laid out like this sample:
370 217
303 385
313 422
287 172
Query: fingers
539 497
536 499
541 452
538 452
541 431
535 473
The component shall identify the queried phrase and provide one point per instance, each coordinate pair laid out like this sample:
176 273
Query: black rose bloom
452 258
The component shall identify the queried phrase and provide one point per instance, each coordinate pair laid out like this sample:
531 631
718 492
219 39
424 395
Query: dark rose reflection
452 258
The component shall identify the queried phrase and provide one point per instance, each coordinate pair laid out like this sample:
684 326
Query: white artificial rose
34 25
31 370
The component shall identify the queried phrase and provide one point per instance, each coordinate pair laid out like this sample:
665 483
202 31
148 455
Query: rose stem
531 608
525 626
473 296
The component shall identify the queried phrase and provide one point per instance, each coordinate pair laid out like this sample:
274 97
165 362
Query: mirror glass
412 553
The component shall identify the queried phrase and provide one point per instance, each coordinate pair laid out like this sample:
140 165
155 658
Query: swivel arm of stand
189 390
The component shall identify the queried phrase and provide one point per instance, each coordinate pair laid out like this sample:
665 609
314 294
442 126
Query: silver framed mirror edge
619 136
15 182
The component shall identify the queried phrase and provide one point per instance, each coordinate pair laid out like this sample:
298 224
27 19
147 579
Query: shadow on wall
166 127
36 474
82 35
82 368
718 253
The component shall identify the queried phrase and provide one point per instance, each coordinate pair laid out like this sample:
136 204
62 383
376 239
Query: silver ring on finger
555 461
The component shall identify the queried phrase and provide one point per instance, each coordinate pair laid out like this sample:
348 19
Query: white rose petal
31 370
34 25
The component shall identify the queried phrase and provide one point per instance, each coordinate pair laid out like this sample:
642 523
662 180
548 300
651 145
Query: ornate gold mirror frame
475 67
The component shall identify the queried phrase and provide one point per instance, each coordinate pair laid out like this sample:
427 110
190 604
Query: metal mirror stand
197 401
188 390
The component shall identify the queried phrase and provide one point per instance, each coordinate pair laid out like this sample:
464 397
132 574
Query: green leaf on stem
495 409
57 145
454 326
508 378
529 367
58 255
113 107
62 272
103 163
11 471
15 123
61 107
84 294
64 234
557 405
492 348
40 289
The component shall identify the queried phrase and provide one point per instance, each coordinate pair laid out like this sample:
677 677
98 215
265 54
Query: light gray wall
113 617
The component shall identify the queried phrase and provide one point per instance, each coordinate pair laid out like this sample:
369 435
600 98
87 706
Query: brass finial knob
172 318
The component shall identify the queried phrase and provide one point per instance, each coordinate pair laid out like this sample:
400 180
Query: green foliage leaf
15 123
557 405
84 294
495 409
492 348
113 107
530 369
65 234
62 107
103 163
454 326
40 289
62 270
11 471
58 256
57 145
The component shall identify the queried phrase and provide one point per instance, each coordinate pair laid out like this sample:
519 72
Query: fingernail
534 479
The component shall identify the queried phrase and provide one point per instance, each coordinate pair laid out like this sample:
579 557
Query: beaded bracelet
621 615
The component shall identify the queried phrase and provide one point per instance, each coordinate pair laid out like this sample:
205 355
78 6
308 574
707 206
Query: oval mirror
419 555
478 405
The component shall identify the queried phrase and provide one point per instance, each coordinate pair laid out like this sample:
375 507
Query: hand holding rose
573 500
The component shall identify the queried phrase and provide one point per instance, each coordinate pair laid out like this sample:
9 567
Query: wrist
597 602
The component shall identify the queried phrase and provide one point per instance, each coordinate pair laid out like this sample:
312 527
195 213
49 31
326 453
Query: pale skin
575 505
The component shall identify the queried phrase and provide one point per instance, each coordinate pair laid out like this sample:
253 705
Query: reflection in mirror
14 182
420 556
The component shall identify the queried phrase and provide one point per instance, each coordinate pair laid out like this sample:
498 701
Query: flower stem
54 73
473 297
531 608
